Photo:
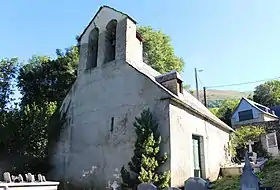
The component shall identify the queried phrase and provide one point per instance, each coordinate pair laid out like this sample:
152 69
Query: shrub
147 159
239 139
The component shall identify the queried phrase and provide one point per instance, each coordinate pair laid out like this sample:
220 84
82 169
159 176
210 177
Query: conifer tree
147 158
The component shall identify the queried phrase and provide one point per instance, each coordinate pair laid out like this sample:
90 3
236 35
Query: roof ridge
100 8
204 112
254 104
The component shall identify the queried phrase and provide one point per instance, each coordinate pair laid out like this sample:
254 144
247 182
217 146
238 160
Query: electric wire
243 83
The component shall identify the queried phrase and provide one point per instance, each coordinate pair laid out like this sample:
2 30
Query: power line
243 83
200 81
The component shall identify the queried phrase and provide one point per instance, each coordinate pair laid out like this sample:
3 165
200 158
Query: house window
93 48
245 115
110 41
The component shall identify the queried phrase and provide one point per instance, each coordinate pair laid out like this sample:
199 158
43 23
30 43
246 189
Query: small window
245 115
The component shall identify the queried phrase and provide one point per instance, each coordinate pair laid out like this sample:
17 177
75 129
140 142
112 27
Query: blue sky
234 41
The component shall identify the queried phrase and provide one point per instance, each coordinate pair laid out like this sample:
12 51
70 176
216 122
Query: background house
248 112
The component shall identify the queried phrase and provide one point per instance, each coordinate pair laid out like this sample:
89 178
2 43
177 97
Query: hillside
215 97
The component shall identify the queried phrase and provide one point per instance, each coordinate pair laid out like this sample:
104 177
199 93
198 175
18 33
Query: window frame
242 118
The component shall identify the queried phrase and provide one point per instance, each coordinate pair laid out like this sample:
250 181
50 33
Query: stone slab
48 185
236 170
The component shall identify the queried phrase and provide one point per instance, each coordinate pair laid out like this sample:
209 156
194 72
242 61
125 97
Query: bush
147 159
239 139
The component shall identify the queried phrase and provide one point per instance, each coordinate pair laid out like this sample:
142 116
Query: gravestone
250 143
248 179
17 179
44 178
196 183
30 177
146 186
271 140
115 185
20 178
40 178
252 155
16 182
13 178
7 177
272 145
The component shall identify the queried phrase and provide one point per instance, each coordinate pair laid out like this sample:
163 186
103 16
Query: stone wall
101 133
184 124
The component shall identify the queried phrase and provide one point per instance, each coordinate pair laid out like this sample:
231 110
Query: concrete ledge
48 185
236 170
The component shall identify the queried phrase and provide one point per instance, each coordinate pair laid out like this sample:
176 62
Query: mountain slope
215 97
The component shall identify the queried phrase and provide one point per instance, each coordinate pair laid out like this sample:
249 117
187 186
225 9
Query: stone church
113 87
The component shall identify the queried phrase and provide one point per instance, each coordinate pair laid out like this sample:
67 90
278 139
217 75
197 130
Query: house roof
105 6
256 106
188 100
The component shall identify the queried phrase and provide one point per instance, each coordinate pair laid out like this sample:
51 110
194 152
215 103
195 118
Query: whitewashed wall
182 126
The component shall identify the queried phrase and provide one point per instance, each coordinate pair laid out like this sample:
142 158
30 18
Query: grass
269 176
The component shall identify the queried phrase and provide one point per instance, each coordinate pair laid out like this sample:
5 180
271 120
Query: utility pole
196 83
204 93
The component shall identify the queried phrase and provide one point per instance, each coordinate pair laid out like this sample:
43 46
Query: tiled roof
257 106
187 100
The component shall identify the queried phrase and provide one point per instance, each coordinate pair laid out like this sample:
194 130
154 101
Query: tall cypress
147 159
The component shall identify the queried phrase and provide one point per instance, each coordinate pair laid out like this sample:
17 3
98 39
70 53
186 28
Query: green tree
241 136
158 51
268 94
8 72
46 80
30 140
250 97
225 111
10 121
215 111
24 130
187 87
147 159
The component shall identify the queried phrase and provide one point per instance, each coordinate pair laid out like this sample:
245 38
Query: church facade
113 87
